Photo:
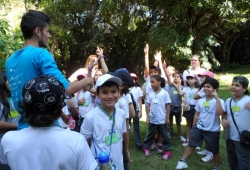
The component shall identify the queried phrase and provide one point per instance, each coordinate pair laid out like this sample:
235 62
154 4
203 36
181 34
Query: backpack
133 101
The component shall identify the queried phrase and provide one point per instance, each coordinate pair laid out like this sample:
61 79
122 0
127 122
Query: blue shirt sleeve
48 66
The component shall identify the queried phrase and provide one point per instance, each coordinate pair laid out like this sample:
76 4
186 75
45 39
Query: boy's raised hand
146 48
158 56
215 94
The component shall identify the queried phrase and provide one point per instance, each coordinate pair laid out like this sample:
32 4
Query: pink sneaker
167 155
146 152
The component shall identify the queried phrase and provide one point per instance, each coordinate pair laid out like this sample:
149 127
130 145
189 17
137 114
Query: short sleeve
167 98
85 158
48 66
197 107
87 128
201 93
74 100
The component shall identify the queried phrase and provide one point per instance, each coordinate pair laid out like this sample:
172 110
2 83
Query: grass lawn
155 162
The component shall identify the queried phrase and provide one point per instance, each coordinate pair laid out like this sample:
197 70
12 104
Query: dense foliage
218 30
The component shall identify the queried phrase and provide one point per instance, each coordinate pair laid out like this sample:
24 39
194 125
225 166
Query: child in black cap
239 107
44 145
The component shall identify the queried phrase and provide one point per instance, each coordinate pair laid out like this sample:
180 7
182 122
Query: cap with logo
42 94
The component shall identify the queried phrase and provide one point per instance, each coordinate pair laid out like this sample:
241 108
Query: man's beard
41 43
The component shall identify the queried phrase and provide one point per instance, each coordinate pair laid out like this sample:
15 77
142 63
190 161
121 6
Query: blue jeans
238 155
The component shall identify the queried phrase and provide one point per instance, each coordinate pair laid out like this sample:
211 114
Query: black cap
42 94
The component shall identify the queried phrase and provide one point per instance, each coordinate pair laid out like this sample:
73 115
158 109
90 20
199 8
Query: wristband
90 67
101 56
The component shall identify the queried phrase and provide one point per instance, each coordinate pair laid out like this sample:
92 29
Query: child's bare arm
126 142
167 107
219 110
146 69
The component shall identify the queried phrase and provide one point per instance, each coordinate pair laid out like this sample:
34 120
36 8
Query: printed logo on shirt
200 124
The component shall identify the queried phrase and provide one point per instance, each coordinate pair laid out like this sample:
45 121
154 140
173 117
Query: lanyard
112 128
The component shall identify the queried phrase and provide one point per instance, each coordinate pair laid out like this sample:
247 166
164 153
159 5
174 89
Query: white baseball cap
107 77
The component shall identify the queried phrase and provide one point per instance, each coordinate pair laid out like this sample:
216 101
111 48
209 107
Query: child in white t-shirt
105 126
137 94
85 100
206 124
239 105
158 117
190 102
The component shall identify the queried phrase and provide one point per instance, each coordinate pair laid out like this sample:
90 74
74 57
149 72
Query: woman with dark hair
8 114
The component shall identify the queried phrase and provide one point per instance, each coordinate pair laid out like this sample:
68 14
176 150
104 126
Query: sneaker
146 152
216 168
205 152
198 148
167 155
153 146
181 165
182 138
207 158
185 143
159 148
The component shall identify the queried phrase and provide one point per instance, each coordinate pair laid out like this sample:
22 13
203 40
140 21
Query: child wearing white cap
104 127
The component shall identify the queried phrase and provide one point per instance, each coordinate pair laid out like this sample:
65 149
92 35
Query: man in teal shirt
34 60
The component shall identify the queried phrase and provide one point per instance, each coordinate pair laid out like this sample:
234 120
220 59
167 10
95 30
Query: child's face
208 89
153 72
108 96
203 78
154 83
191 80
177 78
237 89
97 75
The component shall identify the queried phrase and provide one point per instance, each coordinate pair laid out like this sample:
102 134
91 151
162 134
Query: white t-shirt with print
157 113
241 116
88 103
148 87
195 72
123 104
201 93
189 95
99 126
208 120
12 118
137 93
47 148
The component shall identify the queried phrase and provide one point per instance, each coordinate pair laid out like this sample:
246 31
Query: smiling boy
206 124
239 105
105 126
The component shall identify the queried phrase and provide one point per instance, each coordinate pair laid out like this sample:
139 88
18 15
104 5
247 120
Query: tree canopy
218 30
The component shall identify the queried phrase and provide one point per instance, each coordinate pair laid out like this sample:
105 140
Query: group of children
202 109
101 114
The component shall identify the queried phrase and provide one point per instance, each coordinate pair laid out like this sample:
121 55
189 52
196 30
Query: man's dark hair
107 84
31 20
